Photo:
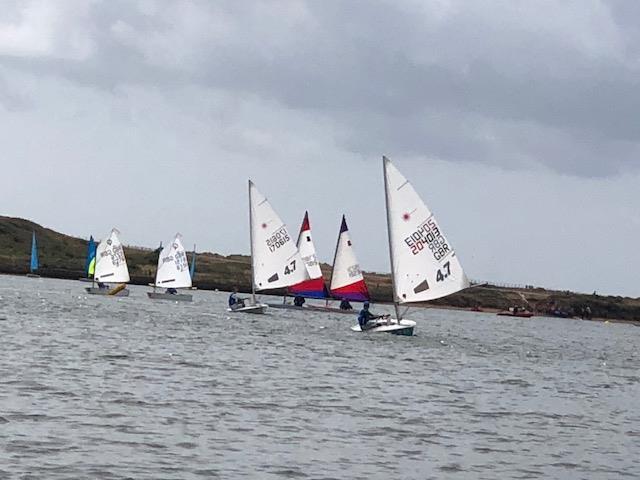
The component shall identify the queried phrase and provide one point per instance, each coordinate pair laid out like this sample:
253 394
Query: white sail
111 266
347 280
173 267
276 260
425 266
307 249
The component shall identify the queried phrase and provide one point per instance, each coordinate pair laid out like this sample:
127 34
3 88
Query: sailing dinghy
90 262
192 268
33 263
110 268
172 273
275 260
314 286
347 282
424 265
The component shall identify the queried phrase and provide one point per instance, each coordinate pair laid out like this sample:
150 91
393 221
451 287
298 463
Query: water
114 388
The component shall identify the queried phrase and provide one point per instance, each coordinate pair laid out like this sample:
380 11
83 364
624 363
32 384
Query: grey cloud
466 85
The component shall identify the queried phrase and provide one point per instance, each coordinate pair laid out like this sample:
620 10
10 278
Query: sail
276 260
347 281
111 266
192 270
173 267
314 287
33 266
91 255
424 264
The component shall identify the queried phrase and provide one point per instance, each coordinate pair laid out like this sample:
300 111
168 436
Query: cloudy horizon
515 121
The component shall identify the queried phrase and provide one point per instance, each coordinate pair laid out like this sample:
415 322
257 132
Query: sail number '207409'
428 234
278 239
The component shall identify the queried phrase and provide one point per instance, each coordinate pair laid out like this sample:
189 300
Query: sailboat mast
155 281
95 264
253 283
335 252
192 270
393 269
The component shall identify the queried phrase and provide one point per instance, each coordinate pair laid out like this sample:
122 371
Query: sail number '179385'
428 235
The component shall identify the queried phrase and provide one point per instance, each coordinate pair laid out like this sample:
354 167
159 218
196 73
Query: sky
516 121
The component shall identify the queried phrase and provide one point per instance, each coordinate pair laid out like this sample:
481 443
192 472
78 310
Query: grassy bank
63 256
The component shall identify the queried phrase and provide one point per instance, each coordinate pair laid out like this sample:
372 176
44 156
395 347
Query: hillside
63 256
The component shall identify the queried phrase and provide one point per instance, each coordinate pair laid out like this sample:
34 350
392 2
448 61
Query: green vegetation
62 256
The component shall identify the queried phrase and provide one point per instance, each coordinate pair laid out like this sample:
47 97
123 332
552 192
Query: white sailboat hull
175 297
403 327
258 308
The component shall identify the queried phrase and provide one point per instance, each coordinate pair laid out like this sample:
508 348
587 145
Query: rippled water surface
113 388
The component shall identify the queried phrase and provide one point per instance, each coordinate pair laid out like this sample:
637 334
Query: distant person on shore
587 312
235 302
298 301
345 305
365 316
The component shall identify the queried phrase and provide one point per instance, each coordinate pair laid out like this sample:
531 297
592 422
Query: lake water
114 388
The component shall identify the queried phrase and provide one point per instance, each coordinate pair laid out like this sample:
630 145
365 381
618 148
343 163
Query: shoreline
63 257
143 282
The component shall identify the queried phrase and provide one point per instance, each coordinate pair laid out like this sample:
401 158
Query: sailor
365 316
234 301
345 305
298 301
171 291
102 286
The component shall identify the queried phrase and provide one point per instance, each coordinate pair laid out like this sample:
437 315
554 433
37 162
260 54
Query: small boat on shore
172 273
110 268
515 312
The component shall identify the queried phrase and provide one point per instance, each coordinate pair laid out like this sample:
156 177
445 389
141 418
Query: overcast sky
517 121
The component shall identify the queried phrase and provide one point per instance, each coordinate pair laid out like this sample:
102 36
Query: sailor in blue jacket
365 316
